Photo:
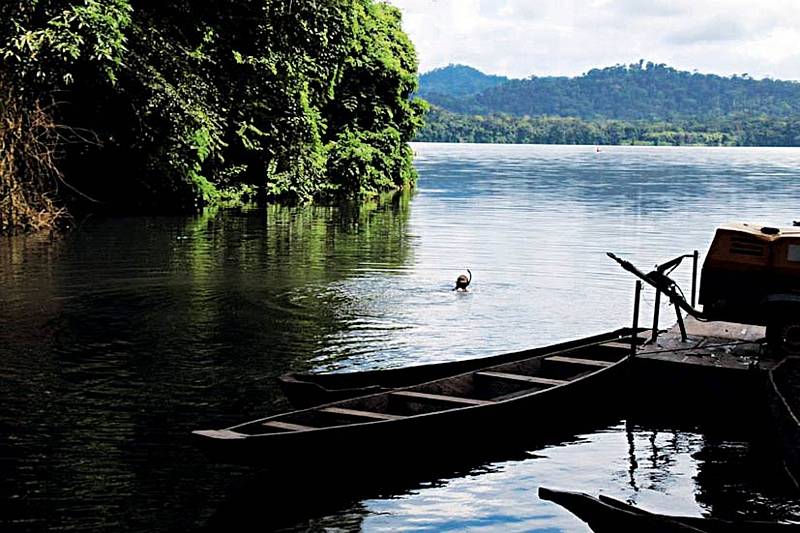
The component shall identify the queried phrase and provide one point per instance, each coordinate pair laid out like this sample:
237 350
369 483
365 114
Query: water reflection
637 460
124 336
351 496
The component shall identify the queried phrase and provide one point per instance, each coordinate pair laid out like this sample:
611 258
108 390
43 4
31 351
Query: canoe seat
359 414
439 398
577 361
286 426
521 378
220 434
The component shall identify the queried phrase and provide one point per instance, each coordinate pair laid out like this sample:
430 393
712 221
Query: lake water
119 339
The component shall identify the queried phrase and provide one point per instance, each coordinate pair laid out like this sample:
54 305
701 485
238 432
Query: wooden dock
720 363
721 345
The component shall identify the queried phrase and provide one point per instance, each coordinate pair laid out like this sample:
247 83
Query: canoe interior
485 387
307 389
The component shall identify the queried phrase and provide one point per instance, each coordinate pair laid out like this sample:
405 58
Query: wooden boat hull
605 514
784 401
307 390
461 413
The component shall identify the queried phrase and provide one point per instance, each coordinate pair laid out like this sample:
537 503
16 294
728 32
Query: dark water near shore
119 339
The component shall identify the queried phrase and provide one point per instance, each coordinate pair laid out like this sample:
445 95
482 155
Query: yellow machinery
751 275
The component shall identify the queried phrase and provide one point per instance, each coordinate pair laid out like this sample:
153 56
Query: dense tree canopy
154 105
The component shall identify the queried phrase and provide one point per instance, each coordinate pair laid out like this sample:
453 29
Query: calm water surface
119 339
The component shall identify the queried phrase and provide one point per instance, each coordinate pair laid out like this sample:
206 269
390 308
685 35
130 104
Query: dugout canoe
606 515
309 389
465 411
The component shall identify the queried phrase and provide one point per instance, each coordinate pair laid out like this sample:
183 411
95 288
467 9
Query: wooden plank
576 361
359 414
286 426
721 330
522 378
617 345
424 396
220 434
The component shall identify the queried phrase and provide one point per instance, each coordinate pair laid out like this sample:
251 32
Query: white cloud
568 37
652 8
711 30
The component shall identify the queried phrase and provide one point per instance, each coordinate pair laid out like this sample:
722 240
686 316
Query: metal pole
635 336
656 311
695 257
680 321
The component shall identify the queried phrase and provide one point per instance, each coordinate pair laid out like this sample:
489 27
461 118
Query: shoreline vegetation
117 106
753 131
639 104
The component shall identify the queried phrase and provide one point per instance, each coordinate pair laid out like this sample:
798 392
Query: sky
520 38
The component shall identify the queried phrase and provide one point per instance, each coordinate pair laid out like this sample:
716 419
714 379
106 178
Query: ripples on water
119 339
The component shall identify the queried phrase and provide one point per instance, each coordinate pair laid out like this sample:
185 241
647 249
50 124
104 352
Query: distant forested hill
456 80
642 103
641 91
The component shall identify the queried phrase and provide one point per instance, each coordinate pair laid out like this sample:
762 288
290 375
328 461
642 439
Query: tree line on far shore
444 126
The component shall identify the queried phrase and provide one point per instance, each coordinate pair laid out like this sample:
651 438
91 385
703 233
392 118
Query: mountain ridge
639 91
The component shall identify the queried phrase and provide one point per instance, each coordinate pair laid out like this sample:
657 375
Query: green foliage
373 115
362 164
202 142
72 33
186 98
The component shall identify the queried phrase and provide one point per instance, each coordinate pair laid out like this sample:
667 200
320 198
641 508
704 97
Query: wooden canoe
783 394
605 514
306 389
466 411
